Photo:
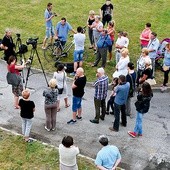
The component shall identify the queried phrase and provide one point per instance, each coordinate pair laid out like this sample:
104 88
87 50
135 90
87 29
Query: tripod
18 52
30 61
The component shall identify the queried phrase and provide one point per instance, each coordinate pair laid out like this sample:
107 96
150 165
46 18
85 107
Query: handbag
151 81
165 68
13 79
60 91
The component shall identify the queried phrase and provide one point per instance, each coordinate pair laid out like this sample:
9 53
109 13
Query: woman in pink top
145 35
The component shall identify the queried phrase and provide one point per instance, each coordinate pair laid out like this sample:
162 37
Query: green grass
16 154
26 17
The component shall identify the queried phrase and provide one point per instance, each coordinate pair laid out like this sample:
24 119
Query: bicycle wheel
49 53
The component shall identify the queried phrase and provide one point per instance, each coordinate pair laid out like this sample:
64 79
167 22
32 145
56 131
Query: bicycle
55 51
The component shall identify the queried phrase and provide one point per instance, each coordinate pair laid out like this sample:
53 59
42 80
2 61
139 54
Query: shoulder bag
13 79
60 90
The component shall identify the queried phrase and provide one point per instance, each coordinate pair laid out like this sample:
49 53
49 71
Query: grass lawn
16 154
26 17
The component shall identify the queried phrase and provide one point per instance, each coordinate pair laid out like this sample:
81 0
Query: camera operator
79 40
8 45
49 26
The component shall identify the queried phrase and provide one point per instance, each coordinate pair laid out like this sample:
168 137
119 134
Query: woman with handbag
61 76
50 105
142 106
166 67
13 67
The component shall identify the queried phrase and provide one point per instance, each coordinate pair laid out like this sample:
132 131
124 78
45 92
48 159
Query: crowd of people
124 84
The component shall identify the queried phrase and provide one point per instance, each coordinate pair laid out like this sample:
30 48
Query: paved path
136 153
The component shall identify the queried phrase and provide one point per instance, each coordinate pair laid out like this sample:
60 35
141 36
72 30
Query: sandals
67 105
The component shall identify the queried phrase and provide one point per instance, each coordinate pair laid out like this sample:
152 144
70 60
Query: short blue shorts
78 55
76 103
49 32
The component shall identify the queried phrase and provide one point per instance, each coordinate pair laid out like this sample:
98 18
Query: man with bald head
101 88
78 92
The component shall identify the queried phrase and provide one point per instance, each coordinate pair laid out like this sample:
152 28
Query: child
27 113
142 106
68 153
112 97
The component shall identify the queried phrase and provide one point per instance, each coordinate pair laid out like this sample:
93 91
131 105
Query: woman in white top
122 65
61 76
68 153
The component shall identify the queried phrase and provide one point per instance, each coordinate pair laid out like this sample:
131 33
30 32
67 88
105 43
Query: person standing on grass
67 154
111 32
62 29
106 12
97 27
145 35
90 20
27 113
142 106
48 15
78 92
122 91
101 88
152 48
108 158
166 68
102 45
79 40
50 105
8 45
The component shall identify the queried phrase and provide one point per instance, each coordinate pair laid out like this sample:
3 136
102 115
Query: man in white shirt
79 40
122 42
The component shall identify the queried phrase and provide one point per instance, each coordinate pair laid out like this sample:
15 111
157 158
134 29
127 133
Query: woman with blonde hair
50 106
122 65
90 20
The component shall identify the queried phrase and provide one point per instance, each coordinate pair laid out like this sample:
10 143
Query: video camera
18 35
32 41
54 14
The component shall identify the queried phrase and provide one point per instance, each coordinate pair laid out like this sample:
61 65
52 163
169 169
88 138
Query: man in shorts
48 22
78 92
79 40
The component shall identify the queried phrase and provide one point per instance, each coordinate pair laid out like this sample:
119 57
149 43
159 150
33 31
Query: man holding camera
102 45
7 45
48 22
79 40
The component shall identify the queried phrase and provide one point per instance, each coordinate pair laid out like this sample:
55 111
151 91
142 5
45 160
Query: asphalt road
146 152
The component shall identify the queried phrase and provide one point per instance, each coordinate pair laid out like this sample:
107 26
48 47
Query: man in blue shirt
102 45
62 29
109 156
122 91
48 22
101 88
153 47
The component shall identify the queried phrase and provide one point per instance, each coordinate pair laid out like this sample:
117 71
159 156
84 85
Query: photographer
8 45
49 26
79 40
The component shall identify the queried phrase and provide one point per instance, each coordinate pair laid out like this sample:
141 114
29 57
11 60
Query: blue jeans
49 32
26 126
138 125
76 103
117 109
78 55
